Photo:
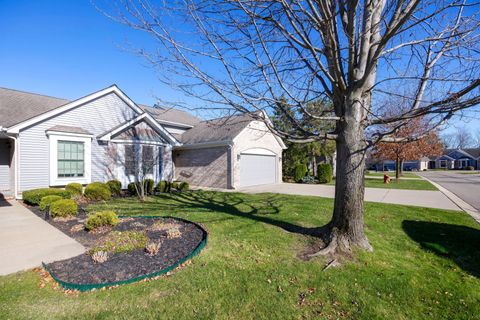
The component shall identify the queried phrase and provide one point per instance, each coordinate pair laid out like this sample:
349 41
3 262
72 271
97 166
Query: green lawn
426 265
391 174
410 184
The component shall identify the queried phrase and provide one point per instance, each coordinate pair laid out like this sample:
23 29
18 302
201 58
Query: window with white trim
70 159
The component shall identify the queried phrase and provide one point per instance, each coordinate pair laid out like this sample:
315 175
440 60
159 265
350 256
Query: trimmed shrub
63 208
34 196
164 186
175 184
100 219
183 186
47 201
470 168
75 189
115 187
97 191
131 189
300 171
149 184
324 173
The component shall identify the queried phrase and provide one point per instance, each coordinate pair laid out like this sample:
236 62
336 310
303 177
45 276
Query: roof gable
144 126
66 107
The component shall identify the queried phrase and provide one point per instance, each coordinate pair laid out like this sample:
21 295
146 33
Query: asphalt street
464 186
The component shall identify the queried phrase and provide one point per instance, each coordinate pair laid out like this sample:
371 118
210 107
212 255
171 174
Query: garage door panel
257 169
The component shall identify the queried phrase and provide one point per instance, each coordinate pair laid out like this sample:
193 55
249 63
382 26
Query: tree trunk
397 168
346 229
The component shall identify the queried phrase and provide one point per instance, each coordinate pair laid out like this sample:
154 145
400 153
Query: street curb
471 211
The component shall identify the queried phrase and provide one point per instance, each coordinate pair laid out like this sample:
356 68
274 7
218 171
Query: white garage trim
259 151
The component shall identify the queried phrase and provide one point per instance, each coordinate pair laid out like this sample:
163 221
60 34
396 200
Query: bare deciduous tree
246 55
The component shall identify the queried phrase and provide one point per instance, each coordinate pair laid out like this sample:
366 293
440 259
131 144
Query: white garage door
257 169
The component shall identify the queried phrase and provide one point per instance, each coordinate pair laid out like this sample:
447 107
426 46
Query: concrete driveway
420 198
465 186
26 240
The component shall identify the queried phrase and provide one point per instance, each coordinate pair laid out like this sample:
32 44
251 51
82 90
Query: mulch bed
126 265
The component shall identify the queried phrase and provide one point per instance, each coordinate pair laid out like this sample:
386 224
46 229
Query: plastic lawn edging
90 286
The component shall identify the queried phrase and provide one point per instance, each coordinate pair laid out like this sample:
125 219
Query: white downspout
17 166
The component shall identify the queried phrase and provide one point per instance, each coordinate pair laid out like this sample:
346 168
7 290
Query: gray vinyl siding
4 165
97 117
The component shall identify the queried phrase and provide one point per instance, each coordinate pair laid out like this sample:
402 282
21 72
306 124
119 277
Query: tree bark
397 168
346 229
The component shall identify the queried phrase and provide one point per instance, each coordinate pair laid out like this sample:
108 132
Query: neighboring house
456 159
46 141
450 159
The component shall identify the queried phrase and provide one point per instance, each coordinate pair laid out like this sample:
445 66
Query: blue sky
68 49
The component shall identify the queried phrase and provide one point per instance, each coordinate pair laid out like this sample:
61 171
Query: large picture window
147 159
70 159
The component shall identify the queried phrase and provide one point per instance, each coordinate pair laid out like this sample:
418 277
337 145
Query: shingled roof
221 129
18 106
171 115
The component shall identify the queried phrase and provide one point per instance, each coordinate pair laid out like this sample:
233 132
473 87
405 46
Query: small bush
47 201
63 208
164 186
470 168
115 187
324 173
183 186
97 191
34 196
132 189
100 219
148 185
300 171
121 241
75 189
175 184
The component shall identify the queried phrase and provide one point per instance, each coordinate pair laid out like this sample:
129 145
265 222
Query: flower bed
127 247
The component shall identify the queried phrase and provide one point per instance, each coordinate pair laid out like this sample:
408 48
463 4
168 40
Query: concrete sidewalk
420 198
26 240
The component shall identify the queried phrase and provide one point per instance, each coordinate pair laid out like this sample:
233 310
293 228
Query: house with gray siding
50 142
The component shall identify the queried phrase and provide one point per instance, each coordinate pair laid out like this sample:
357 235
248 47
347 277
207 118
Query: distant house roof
69 129
172 115
474 152
18 106
221 129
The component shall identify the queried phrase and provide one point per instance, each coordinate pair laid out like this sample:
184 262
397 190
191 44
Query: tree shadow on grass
460 244
235 205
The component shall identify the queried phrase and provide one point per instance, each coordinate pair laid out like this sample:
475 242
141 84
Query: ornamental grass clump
174 233
121 241
152 248
100 256
101 219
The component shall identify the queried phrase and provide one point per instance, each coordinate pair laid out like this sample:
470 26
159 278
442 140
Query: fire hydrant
386 178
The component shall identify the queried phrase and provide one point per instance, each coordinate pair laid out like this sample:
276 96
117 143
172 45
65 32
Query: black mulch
122 266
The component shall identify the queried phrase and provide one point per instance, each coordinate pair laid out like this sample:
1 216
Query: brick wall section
207 167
